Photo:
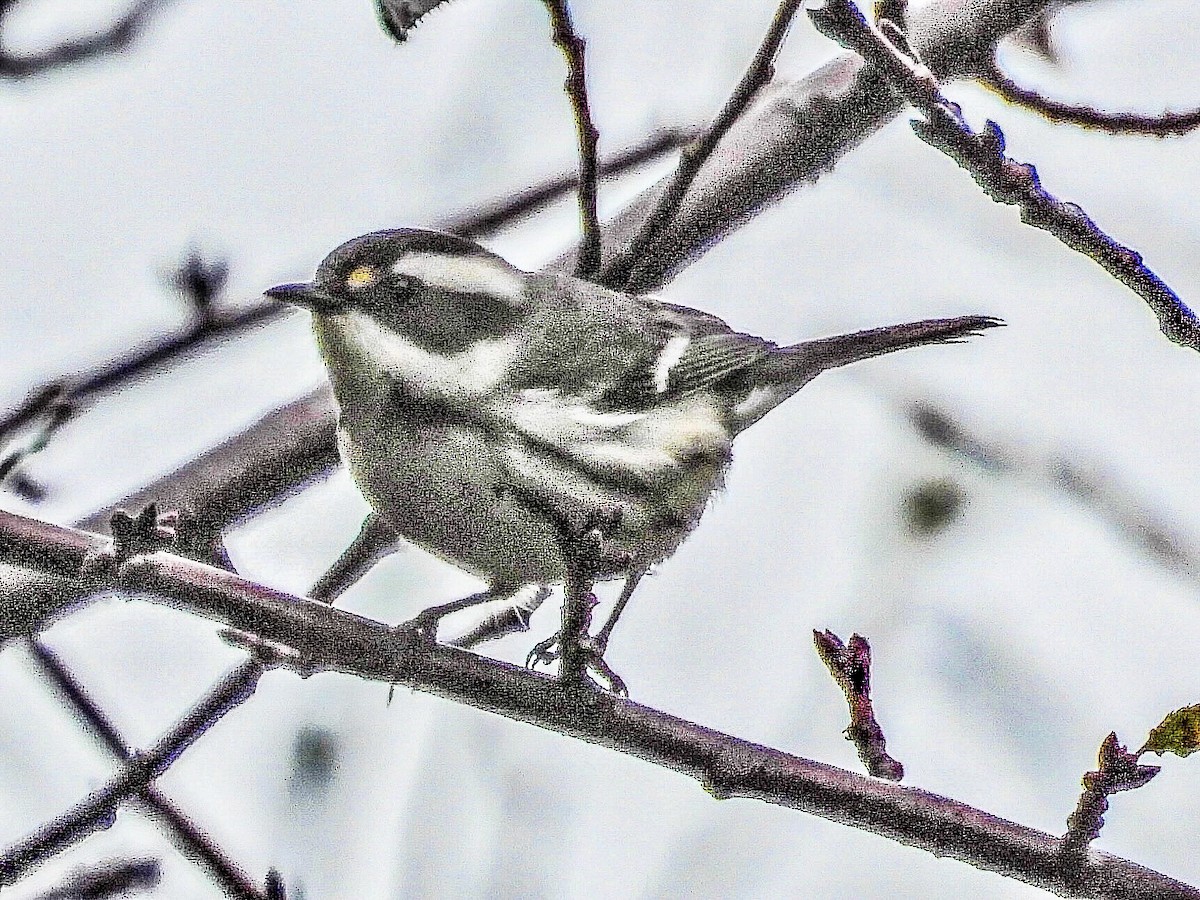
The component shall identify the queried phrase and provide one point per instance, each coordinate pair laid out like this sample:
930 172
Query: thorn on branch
568 41
1002 179
135 535
850 665
1118 771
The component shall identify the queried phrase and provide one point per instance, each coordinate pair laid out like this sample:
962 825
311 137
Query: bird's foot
424 625
591 649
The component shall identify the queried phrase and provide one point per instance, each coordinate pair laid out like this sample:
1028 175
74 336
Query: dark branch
192 843
202 332
111 878
118 37
572 46
1164 125
1004 180
850 667
99 809
332 639
490 217
762 69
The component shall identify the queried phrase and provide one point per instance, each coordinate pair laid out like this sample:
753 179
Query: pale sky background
1006 646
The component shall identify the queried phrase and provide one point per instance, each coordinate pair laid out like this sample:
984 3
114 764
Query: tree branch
1166 124
572 46
761 71
1005 181
327 638
192 843
99 809
114 39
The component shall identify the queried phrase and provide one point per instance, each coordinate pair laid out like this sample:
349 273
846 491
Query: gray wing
626 352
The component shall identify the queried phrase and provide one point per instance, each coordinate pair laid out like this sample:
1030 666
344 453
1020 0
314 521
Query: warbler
482 406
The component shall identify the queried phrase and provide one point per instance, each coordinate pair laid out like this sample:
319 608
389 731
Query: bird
481 407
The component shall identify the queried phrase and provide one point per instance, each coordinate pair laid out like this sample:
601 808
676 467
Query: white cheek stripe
671 354
464 274
472 372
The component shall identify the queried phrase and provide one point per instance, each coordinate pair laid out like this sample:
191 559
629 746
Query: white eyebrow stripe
671 354
463 274
471 373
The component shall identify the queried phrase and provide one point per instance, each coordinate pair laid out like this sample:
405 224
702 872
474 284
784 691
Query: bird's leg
600 638
376 539
424 624
585 557
512 618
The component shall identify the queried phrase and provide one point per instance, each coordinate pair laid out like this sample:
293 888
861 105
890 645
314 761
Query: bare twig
572 46
1004 180
850 666
99 809
193 843
1067 471
489 217
111 878
1118 771
1163 125
762 70
330 638
198 335
114 39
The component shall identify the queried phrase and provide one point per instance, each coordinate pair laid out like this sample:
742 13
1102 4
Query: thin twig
762 69
850 666
110 878
1165 124
1005 181
1118 771
99 809
572 46
142 360
490 217
114 39
191 841
213 326
333 639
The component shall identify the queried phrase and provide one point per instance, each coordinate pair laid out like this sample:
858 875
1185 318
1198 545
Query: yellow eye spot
361 277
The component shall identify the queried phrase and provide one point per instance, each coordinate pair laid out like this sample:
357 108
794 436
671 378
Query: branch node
850 666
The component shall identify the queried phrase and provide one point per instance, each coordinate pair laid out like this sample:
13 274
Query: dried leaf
1178 733
398 17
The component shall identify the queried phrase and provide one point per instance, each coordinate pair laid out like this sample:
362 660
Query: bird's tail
790 368
831 352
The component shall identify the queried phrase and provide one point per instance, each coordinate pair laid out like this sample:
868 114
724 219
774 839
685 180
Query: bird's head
439 292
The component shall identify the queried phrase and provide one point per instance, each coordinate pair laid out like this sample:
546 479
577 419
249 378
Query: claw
548 651
543 652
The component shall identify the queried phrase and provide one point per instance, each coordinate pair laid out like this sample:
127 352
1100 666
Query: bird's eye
361 277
